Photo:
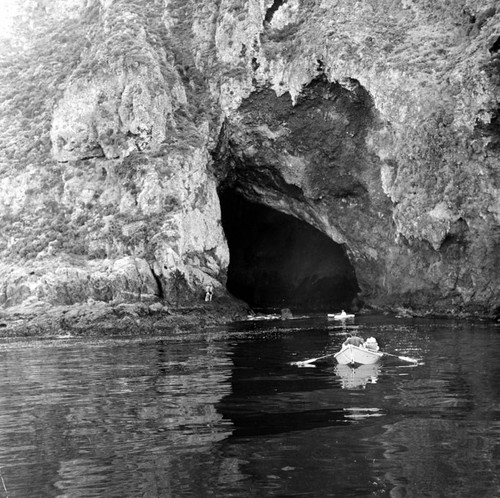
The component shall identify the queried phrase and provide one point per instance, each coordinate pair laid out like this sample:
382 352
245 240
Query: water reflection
228 415
109 420
357 377
270 396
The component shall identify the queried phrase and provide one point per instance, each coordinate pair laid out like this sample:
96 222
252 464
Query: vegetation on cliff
121 119
34 74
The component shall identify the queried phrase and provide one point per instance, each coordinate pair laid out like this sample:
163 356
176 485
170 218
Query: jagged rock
377 124
124 279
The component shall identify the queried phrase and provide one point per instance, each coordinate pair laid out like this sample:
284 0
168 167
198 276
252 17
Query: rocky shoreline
101 319
98 319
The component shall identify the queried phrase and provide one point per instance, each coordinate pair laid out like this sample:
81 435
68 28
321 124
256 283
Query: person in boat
354 340
371 343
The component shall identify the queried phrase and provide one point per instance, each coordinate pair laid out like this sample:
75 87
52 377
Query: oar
404 358
312 360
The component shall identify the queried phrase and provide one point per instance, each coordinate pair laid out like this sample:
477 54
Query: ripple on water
225 414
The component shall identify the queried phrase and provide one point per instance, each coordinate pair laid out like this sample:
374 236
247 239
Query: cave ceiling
310 159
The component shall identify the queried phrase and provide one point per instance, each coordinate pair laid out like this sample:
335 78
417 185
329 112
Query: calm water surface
227 414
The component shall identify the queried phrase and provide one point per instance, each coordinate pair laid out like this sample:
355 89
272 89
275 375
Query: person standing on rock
209 292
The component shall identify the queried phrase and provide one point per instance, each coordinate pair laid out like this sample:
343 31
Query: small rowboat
340 316
351 355
356 351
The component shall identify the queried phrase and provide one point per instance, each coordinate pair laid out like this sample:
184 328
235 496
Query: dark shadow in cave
278 261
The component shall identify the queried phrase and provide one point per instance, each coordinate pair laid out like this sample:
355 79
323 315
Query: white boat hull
340 316
351 355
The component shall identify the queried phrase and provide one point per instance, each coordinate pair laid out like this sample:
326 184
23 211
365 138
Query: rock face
374 123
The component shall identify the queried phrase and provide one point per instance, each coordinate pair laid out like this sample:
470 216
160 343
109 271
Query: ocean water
227 413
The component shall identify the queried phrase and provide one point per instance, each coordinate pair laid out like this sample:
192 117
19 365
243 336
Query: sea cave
278 261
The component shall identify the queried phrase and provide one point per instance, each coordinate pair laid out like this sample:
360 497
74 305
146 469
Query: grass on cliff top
35 68
34 65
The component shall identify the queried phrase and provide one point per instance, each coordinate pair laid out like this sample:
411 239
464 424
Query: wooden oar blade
407 358
403 358
307 363
304 363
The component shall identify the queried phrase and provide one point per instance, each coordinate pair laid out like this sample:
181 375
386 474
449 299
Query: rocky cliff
375 123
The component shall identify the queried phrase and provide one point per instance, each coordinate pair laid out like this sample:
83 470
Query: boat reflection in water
357 377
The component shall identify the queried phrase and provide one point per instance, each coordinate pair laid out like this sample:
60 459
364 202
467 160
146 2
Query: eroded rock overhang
310 160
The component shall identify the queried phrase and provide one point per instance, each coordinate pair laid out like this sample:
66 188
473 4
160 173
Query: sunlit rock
375 123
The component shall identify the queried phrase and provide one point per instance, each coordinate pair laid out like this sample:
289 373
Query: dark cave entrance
278 261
